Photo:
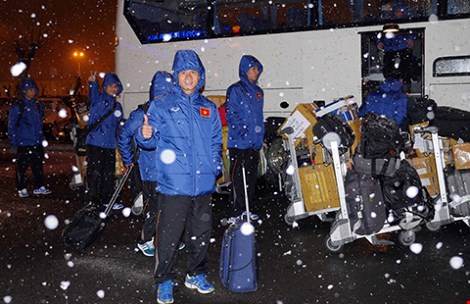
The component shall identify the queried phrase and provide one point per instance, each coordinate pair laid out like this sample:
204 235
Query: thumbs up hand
147 130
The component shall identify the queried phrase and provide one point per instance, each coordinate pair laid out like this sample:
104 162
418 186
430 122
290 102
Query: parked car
57 116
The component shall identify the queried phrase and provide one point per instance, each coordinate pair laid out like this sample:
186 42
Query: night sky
65 26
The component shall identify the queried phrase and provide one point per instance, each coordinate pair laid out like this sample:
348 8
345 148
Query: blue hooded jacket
27 129
245 101
187 135
162 84
388 100
104 135
395 42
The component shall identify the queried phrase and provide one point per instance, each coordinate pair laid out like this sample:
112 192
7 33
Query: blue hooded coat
27 129
187 135
162 84
388 100
395 42
104 135
245 101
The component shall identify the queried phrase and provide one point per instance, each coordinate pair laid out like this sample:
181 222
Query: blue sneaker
41 191
253 217
200 283
147 248
165 292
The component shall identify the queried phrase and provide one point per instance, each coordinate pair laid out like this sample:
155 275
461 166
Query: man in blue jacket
101 142
131 152
398 54
245 101
185 129
388 100
26 138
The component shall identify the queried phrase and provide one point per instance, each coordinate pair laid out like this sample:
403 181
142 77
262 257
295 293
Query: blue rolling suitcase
238 269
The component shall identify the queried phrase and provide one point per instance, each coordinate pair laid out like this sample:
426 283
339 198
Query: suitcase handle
247 204
118 190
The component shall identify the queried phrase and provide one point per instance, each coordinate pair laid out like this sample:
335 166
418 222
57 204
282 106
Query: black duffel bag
331 123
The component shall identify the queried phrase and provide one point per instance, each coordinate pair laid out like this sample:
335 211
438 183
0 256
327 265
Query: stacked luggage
383 193
442 150
373 176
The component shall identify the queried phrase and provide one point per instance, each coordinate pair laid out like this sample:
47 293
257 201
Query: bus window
235 17
451 66
249 17
458 7
348 12
156 21
373 62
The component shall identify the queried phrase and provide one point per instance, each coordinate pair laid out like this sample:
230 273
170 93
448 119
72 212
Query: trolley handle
287 131
430 129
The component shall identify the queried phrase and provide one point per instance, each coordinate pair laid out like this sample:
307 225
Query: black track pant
29 156
405 65
249 158
100 175
150 210
177 214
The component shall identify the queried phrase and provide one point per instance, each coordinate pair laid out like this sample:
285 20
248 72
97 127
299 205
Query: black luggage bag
365 202
88 223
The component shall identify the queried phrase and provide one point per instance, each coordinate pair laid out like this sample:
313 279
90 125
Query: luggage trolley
296 209
445 209
341 232
346 108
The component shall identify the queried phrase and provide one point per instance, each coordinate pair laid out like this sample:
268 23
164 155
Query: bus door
373 59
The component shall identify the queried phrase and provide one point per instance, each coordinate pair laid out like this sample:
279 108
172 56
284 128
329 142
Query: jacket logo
205 112
258 95
175 109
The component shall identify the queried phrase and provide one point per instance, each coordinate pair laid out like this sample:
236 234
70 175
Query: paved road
294 265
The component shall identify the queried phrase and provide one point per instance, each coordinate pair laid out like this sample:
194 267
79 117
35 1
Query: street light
78 55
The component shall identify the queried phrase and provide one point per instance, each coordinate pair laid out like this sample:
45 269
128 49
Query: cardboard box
422 144
426 168
356 127
319 189
302 120
461 155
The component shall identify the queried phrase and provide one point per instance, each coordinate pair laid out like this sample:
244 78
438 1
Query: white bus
311 49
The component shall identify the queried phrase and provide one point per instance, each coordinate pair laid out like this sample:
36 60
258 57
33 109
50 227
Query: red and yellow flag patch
205 112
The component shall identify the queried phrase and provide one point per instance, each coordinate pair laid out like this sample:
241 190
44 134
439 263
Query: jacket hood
28 83
188 60
111 78
391 85
162 84
246 63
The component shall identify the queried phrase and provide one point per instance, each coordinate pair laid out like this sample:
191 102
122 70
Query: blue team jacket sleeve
12 124
217 144
400 110
125 138
233 112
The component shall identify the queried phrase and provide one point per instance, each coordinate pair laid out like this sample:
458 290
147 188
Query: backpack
330 123
452 122
397 190
380 136
421 109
